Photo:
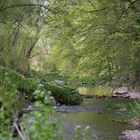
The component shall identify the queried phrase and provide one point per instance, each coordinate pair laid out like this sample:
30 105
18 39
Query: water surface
97 90
97 117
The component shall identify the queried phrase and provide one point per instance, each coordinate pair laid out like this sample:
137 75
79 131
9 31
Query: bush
52 76
13 85
16 88
62 94
42 124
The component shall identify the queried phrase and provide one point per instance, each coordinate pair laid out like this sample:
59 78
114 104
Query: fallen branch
20 131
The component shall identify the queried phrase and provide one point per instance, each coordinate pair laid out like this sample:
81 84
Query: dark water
95 115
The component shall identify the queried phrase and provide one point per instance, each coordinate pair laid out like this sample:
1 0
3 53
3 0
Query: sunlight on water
98 90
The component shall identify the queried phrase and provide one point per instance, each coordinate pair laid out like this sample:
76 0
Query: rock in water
121 90
135 123
131 135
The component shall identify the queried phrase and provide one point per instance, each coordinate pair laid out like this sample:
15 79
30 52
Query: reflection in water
100 122
98 90
101 125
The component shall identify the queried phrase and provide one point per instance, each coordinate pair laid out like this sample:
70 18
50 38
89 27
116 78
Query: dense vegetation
95 41
100 39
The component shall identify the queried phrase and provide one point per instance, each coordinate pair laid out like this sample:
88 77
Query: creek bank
131 135
126 92
121 92
79 108
135 123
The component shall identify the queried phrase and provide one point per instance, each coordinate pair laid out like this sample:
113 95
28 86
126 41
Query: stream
94 114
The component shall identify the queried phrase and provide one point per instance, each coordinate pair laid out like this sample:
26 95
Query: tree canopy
97 38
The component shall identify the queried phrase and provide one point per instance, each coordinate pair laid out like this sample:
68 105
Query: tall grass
135 107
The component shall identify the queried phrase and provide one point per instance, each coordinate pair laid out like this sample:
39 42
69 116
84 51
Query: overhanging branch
27 5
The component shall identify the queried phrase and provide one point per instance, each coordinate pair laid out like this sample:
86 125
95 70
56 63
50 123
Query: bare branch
21 134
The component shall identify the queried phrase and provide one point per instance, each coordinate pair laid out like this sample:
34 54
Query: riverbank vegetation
48 48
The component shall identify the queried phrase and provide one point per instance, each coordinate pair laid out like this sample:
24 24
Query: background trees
97 38
20 25
100 38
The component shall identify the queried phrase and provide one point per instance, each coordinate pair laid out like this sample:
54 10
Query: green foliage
42 124
39 124
97 38
112 106
57 75
5 121
82 133
15 88
9 83
43 95
64 94
135 109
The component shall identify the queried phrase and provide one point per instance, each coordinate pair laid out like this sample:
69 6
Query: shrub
64 94
41 124
14 88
